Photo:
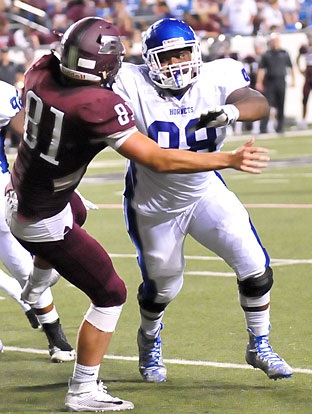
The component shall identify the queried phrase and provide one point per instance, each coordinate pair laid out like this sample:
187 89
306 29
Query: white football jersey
10 103
166 120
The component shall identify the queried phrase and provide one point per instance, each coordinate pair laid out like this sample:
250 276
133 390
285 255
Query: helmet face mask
170 35
91 50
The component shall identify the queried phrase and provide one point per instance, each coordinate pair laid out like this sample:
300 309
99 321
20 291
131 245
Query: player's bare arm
244 104
17 123
252 105
145 151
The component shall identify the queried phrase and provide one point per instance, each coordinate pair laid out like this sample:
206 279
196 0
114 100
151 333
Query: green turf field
204 335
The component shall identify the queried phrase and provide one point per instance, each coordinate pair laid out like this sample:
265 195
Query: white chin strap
74 74
175 77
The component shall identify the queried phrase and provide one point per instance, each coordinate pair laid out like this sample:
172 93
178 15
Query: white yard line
253 205
167 361
267 205
274 262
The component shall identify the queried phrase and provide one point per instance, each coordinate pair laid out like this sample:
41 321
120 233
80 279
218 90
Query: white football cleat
93 396
59 355
260 355
59 347
151 364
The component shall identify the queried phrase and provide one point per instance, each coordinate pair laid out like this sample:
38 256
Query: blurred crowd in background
31 24
27 26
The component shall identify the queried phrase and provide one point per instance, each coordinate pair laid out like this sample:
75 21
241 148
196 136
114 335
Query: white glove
87 203
219 116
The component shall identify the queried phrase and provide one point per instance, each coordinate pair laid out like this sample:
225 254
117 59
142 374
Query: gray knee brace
256 286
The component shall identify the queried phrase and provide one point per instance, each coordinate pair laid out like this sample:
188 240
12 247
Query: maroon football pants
81 260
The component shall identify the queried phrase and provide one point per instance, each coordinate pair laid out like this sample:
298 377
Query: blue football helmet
170 34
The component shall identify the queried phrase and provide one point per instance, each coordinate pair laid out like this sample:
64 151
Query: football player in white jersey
181 103
13 289
17 259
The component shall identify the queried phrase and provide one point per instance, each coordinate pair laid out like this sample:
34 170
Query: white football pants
217 221
15 258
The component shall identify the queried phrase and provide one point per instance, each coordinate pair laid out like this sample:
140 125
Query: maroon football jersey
65 127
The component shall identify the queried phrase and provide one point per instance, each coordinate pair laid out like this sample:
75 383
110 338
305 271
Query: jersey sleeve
115 141
119 85
128 82
10 103
107 115
229 75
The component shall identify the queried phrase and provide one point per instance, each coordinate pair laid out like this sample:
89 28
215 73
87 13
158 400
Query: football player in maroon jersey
71 114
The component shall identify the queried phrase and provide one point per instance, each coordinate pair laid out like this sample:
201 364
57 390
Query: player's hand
250 159
219 116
